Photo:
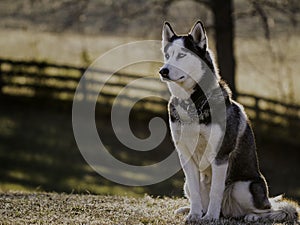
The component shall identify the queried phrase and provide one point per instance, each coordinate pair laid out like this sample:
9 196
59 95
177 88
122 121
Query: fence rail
264 110
46 80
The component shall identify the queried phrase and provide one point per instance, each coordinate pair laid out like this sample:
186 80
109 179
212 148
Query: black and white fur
222 177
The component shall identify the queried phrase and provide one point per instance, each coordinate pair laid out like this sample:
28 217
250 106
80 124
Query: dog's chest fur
189 135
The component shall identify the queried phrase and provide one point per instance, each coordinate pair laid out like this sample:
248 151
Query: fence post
1 80
84 84
256 108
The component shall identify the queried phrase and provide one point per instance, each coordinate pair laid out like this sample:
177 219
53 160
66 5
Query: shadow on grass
38 152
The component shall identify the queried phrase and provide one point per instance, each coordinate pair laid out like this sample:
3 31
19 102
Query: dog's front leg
217 190
192 175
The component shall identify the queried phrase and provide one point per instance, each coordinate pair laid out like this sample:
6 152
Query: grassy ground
38 152
51 208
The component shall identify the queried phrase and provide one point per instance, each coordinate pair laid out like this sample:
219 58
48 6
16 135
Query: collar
197 110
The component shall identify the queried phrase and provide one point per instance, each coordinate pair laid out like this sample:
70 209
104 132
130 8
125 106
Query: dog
213 137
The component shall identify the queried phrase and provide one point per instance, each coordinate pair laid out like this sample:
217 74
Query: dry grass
51 208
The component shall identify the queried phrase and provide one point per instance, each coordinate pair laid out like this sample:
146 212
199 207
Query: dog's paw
251 218
182 210
209 217
193 218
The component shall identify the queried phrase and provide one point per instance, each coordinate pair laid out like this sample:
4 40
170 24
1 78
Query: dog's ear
199 35
167 33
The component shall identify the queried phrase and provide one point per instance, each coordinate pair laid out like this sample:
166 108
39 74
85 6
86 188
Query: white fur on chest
192 134
183 115
196 141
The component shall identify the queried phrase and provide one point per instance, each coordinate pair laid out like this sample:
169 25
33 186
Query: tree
224 39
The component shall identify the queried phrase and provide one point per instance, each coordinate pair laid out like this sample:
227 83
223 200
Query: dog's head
185 56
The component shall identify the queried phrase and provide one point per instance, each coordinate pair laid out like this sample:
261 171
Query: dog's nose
164 72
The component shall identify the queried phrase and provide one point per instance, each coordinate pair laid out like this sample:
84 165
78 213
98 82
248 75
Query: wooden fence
46 80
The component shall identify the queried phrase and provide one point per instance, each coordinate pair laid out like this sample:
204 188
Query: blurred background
46 45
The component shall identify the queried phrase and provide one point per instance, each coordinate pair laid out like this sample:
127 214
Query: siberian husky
213 137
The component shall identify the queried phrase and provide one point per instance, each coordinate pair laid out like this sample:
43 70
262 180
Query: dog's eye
181 55
167 56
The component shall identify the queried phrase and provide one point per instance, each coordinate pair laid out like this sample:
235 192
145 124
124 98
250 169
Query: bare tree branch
78 10
208 3
263 16
244 14
290 8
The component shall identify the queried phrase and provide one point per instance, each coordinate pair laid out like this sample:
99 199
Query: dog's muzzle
164 72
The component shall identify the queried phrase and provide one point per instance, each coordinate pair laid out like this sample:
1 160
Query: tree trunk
224 38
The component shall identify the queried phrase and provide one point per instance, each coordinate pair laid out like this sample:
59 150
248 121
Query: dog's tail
282 211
